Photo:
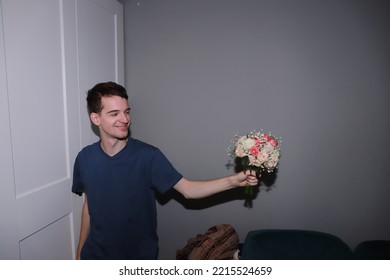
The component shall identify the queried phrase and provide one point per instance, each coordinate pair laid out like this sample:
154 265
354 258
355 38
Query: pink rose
267 137
273 143
254 151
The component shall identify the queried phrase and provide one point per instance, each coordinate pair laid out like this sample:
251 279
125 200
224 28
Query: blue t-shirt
121 199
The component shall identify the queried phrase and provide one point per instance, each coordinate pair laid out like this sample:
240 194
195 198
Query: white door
43 44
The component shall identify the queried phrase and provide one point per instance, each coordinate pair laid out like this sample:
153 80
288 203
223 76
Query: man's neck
113 146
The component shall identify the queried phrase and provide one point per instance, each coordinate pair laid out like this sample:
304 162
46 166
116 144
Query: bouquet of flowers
257 151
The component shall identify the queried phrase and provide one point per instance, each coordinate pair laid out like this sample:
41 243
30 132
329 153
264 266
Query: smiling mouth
123 127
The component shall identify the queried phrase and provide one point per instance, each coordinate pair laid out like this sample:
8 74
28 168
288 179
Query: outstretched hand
247 178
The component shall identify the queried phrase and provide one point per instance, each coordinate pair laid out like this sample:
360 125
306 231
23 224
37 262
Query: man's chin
123 137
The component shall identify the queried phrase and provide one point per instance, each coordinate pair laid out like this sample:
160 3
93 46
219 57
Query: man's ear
95 118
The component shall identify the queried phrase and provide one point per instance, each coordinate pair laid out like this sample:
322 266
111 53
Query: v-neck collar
118 154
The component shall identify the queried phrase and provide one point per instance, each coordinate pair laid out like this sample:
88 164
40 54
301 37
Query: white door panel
51 236
35 89
40 208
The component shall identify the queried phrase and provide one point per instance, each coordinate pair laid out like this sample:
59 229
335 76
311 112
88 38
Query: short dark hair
95 94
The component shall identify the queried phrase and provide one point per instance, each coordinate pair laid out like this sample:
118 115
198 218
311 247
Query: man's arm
200 189
84 229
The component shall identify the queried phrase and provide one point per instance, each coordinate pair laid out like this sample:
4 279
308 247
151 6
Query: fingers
252 181
251 177
252 173
248 177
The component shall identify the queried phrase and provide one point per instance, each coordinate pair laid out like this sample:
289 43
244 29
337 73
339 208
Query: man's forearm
200 189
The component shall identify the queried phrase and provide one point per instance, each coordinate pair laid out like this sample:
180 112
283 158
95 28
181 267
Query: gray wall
315 73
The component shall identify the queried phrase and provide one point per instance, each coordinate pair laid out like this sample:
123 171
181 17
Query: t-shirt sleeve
164 175
77 186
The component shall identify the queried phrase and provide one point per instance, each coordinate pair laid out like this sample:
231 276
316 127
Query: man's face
114 119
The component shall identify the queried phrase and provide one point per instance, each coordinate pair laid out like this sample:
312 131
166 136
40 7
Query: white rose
262 157
249 143
240 152
254 161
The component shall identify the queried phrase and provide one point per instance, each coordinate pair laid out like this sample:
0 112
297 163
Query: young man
119 175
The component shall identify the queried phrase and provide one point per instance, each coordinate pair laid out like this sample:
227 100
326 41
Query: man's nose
125 118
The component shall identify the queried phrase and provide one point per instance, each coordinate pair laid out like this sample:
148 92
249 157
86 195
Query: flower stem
248 190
